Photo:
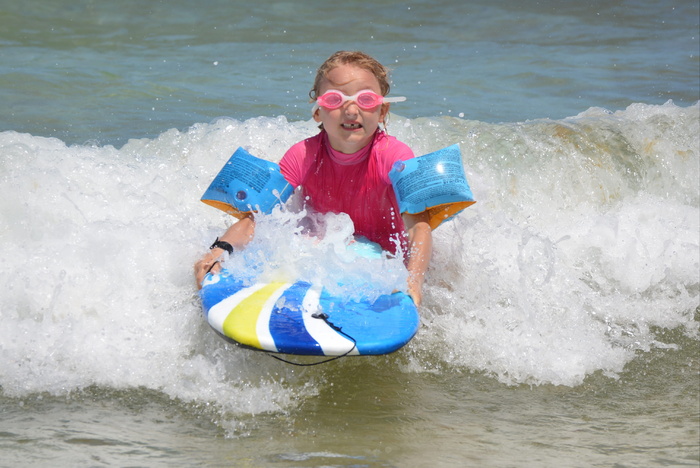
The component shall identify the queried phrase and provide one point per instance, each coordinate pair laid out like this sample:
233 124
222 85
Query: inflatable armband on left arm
246 184
434 182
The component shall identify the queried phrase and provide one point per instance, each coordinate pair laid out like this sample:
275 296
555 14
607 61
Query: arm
292 167
420 249
238 235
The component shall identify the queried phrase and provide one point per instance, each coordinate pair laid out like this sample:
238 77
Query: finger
215 264
416 296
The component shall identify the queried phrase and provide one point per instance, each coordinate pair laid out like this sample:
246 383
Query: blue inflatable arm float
435 183
247 184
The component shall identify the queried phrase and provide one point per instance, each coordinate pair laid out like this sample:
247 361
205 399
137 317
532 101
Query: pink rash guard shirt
357 184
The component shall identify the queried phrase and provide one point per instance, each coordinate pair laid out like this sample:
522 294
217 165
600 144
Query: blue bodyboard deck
303 319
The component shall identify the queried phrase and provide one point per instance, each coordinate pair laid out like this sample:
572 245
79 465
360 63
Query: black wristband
222 245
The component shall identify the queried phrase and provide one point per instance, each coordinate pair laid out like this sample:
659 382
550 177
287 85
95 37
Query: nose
351 108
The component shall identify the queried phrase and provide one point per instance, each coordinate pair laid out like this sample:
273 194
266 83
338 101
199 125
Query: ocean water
561 312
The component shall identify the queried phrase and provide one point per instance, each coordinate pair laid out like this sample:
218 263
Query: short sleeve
388 151
297 161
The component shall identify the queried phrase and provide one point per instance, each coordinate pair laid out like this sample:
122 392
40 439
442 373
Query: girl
345 167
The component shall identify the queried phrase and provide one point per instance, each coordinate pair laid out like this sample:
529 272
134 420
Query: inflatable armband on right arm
247 184
434 182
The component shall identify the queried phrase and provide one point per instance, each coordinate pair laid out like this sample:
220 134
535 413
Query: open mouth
351 126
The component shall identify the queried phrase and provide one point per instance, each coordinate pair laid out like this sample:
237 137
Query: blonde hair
356 58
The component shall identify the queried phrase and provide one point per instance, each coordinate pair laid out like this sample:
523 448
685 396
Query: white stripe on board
332 343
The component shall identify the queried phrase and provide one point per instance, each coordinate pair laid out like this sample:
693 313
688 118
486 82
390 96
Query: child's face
350 128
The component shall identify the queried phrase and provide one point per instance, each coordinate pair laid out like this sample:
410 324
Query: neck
347 159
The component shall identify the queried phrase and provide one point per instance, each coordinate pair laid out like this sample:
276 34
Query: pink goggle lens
365 99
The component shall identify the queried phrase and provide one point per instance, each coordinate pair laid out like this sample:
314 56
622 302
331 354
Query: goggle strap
395 99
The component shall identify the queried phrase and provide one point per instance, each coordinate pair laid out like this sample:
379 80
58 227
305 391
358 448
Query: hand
414 291
210 262
238 235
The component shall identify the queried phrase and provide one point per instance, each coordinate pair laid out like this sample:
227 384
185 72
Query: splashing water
582 246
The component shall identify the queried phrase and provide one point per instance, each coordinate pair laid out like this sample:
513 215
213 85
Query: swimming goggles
365 99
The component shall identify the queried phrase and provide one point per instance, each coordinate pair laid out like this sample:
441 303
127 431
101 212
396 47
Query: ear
384 111
317 115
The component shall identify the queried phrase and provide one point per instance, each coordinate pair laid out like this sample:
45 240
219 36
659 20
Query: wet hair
356 58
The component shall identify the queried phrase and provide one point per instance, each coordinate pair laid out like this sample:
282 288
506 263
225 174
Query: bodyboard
303 319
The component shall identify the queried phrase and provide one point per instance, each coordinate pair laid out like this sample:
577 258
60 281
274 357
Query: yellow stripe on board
241 322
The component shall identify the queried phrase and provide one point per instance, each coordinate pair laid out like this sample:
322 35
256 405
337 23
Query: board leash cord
323 316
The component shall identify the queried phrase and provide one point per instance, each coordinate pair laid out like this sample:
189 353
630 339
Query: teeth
353 125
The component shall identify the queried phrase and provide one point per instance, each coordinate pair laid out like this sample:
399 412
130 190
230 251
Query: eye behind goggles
365 99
